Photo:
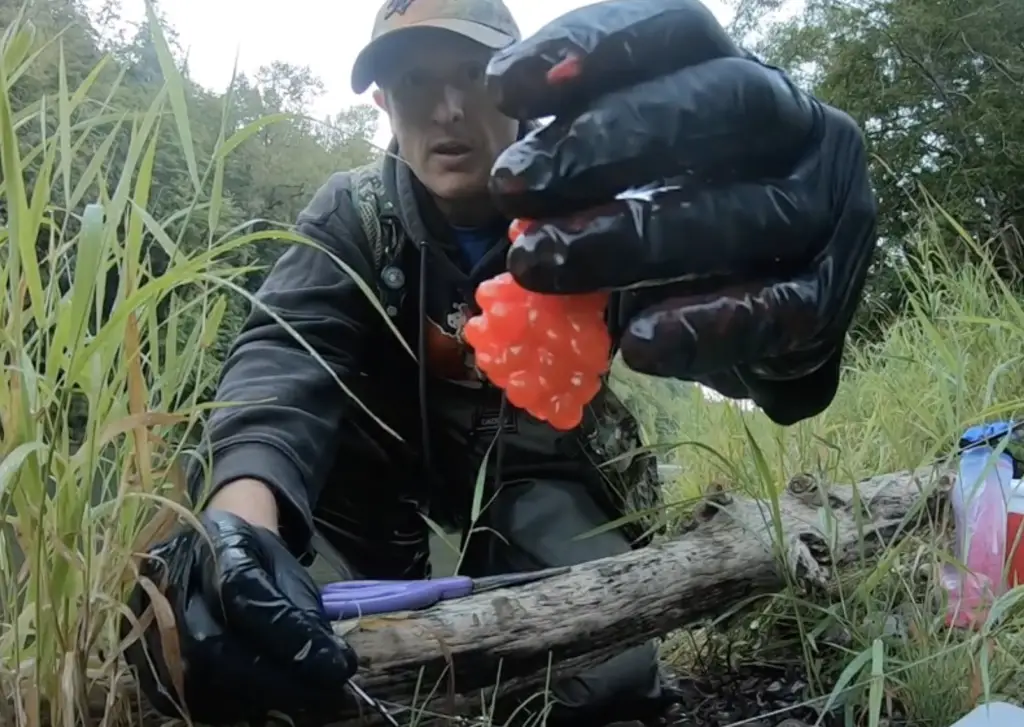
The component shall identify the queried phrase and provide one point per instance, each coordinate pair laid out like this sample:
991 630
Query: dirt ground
753 695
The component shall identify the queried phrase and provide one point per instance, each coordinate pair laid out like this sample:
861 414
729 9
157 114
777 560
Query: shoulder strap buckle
384 235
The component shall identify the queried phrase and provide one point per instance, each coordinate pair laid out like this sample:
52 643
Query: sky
325 35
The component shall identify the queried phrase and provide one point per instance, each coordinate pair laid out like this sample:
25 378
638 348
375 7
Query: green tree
269 178
936 85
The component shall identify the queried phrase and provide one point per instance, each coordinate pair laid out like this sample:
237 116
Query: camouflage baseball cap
488 22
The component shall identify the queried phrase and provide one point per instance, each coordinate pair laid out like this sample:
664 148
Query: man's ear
380 98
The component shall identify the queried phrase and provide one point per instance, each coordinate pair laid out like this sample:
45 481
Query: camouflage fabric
376 214
487 22
397 14
613 442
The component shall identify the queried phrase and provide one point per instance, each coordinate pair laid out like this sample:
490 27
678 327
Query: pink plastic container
980 513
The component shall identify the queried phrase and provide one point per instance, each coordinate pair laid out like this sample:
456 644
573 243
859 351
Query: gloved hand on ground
734 209
249 633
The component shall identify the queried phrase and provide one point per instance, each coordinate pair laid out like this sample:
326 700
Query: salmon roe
548 352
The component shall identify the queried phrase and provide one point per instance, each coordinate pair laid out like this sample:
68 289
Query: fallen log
449 659
453 658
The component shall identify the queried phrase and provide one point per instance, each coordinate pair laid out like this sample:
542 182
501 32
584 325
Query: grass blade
176 89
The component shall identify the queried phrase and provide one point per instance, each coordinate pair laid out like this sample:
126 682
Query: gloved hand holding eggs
724 215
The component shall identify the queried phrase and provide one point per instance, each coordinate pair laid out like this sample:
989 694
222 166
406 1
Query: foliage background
268 179
935 84
141 211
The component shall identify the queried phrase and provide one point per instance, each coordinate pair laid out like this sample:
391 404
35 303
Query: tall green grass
879 646
96 399
954 360
101 380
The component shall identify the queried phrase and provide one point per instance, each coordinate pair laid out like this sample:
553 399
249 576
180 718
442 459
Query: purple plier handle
350 599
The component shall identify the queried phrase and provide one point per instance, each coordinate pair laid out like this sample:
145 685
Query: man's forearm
250 500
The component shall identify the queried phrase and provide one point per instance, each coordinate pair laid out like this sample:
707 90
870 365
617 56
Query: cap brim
364 70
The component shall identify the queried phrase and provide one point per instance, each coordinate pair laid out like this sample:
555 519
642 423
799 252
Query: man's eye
414 80
474 72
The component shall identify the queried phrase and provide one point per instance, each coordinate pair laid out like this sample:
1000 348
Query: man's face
448 130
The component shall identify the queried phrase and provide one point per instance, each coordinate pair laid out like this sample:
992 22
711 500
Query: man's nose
451 107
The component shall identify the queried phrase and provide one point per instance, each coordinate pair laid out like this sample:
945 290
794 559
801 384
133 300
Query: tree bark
449 660
460 649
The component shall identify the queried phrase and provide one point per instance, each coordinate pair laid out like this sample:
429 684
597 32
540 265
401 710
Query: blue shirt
474 243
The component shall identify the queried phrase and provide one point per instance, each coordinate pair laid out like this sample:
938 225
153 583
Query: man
731 212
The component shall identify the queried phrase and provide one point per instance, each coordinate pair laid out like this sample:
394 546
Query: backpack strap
383 234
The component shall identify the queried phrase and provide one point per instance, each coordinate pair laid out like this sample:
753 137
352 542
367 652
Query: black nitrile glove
251 629
732 210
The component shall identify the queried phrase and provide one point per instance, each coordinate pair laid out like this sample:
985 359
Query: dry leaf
169 644
156 530
134 421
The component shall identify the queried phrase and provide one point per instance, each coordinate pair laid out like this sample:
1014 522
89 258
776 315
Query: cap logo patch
396 7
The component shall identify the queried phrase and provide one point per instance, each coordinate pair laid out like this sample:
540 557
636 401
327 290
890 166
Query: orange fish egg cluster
547 352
